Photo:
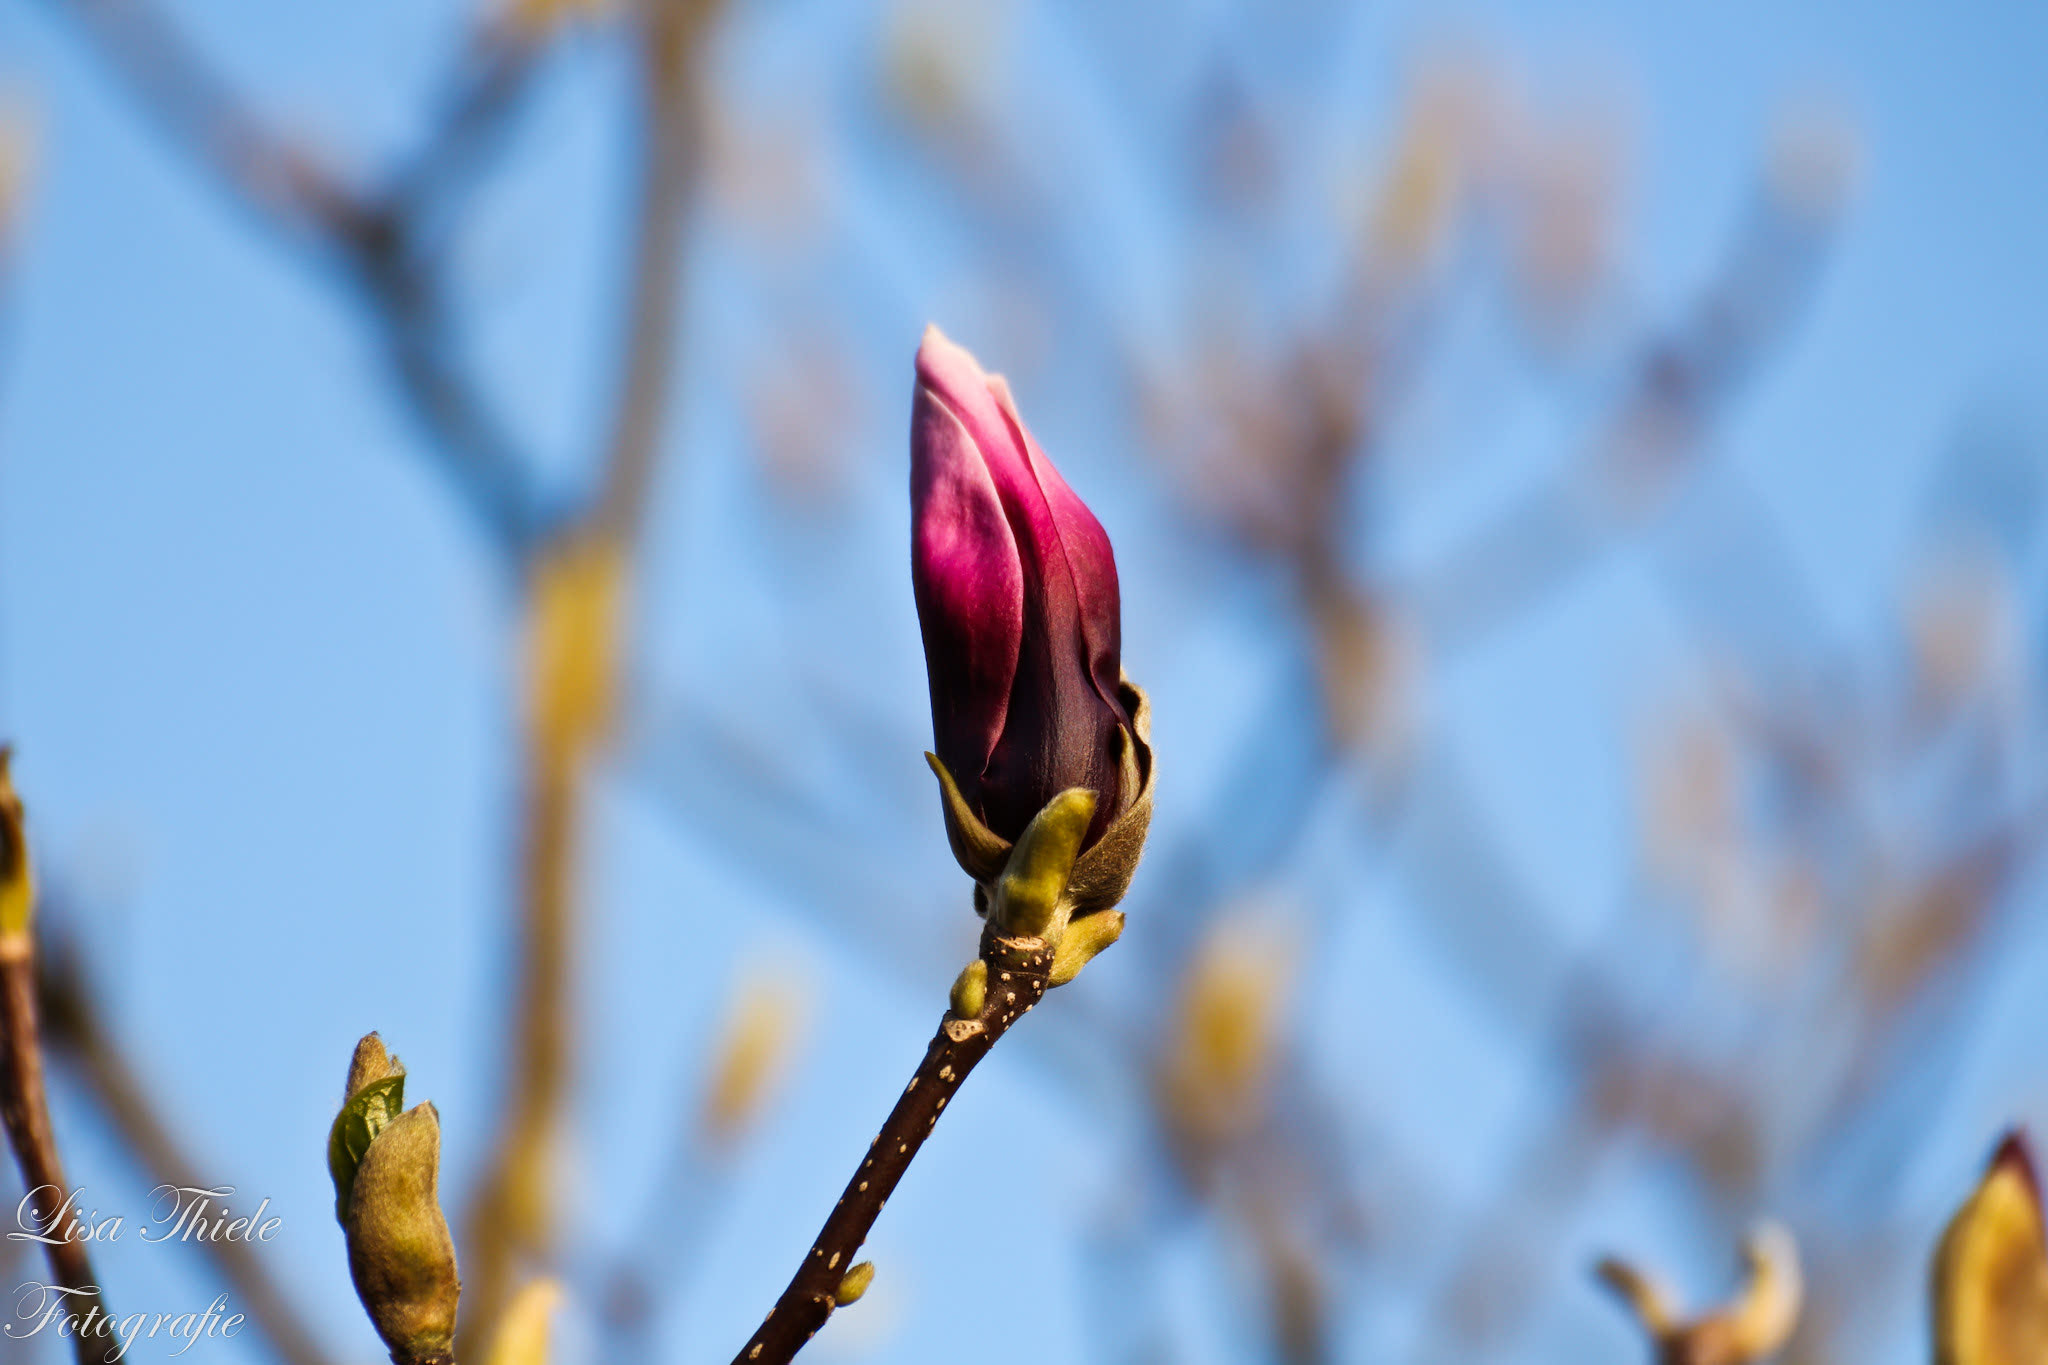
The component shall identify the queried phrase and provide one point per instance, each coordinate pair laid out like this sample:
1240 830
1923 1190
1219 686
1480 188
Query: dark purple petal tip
2016 1154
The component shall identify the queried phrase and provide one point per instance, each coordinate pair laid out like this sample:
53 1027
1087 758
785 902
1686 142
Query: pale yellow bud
1084 939
578 601
525 1330
1752 1327
1225 1032
17 883
1030 898
855 1283
753 1050
1990 1273
970 990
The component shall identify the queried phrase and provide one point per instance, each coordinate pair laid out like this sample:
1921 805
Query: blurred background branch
83 1042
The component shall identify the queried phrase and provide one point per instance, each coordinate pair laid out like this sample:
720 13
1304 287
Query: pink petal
1090 561
969 582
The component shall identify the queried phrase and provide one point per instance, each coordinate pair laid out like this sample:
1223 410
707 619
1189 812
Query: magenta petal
2014 1153
969 582
1090 561
1058 643
953 374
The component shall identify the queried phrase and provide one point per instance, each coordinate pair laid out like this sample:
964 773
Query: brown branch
511 1222
77 1034
1017 971
25 1108
46 1211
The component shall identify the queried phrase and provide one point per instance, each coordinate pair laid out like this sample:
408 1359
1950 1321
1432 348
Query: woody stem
1017 972
26 1112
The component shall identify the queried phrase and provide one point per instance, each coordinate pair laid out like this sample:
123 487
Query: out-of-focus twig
74 1294
670 150
572 646
1753 1326
372 244
1683 382
577 585
79 1037
486 89
383 244
193 105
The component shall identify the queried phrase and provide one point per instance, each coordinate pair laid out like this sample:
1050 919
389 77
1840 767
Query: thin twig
1017 971
24 1104
487 90
673 31
512 1220
26 1111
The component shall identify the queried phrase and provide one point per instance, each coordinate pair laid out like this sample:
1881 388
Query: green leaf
366 1114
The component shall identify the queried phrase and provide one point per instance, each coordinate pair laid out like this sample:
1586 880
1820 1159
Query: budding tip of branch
385 1161
369 1063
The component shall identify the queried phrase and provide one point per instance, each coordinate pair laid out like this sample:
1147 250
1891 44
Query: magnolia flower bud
386 1164
1017 599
